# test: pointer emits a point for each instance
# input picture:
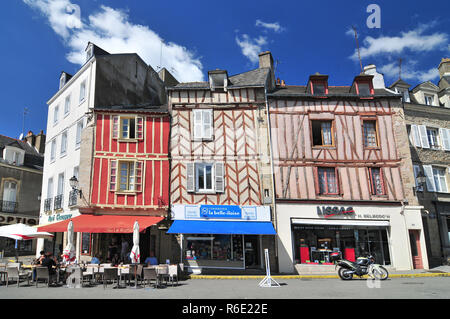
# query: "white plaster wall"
(398, 236)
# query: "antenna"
(160, 56)
(400, 68)
(25, 112)
(357, 46)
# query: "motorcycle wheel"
(343, 275)
(380, 273)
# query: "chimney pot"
(282, 83)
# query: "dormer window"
(319, 88)
(364, 89)
(318, 84)
(428, 99)
(218, 80)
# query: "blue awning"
(221, 227)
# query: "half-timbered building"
(338, 174)
(221, 182)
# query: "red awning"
(102, 224)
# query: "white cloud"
(413, 40)
(408, 72)
(112, 30)
(251, 47)
(275, 26)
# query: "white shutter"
(207, 124)
(428, 171)
(415, 136)
(445, 141)
(219, 176)
(190, 177)
(424, 136)
(198, 117)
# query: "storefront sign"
(328, 211)
(14, 219)
(220, 211)
(373, 216)
(59, 217)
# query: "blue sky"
(41, 38)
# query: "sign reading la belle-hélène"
(221, 212)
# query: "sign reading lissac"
(328, 211)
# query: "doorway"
(252, 258)
(414, 240)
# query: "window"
(85, 243)
(364, 89)
(432, 135)
(50, 188)
(55, 115)
(129, 175)
(78, 136)
(9, 196)
(322, 133)
(428, 99)
(53, 150)
(440, 180)
(405, 96)
(60, 184)
(58, 201)
(327, 181)
(203, 124)
(205, 177)
(370, 133)
(63, 143)
(376, 181)
(204, 174)
(128, 127)
(67, 105)
(82, 91)
(319, 88)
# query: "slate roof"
(32, 157)
(256, 78)
(400, 82)
(135, 108)
(333, 91)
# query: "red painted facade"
(147, 152)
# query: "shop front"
(308, 234)
(222, 236)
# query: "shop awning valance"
(102, 224)
(221, 227)
(341, 222)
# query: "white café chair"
(173, 273)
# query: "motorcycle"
(362, 266)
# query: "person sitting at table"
(95, 259)
(37, 262)
(116, 259)
(49, 262)
(151, 260)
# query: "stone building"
(21, 163)
(427, 116)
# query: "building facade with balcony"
(221, 178)
(21, 165)
(341, 170)
(427, 116)
(103, 80)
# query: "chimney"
(378, 78)
(39, 143)
(30, 138)
(282, 83)
(444, 67)
(266, 61)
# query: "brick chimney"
(39, 142)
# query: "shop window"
(322, 133)
(370, 133)
(85, 243)
(327, 181)
(376, 181)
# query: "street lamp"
(421, 180)
(74, 184)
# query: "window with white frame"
(205, 177)
(82, 91)
(53, 150)
(60, 190)
(203, 124)
(440, 180)
(433, 137)
(64, 143)
(55, 115)
(50, 188)
(67, 105)
(428, 99)
(128, 127)
(126, 176)
(78, 135)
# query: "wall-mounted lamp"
(421, 180)
(74, 184)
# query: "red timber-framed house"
(118, 171)
(221, 180)
(342, 174)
